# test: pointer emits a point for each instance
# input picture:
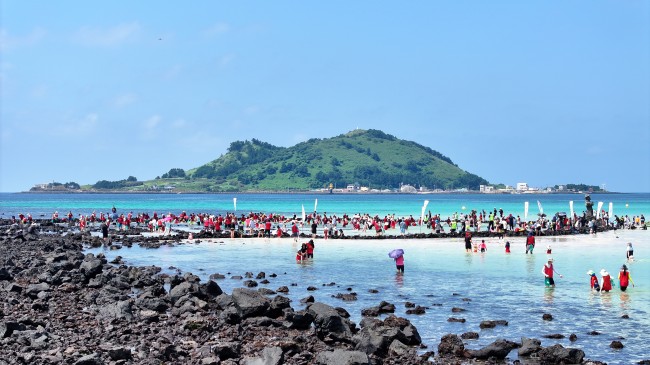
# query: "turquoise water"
(498, 286)
(382, 204)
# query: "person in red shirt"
(606, 283)
(593, 280)
(310, 249)
(548, 271)
(624, 278)
(294, 231)
(530, 243)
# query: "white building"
(522, 186)
(486, 189)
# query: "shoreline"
(310, 192)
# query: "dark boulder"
(529, 346)
(342, 357)
(33, 290)
(451, 344)
(270, 356)
(300, 320)
(249, 303)
(554, 336)
(91, 266)
(227, 350)
(383, 307)
(498, 349)
(118, 310)
(376, 336)
(469, 336)
(329, 323)
(557, 354)
(616, 345)
(5, 274)
(211, 289)
(181, 290)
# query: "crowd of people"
(266, 225)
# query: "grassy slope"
(368, 157)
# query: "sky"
(542, 92)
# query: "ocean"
(43, 204)
(439, 275)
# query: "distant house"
(486, 189)
(352, 187)
(522, 186)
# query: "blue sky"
(543, 92)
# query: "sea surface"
(43, 204)
(439, 274)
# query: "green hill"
(366, 157)
(369, 158)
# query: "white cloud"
(151, 127)
(152, 122)
(594, 150)
(108, 37)
(8, 42)
(78, 127)
(198, 143)
(297, 138)
(39, 91)
(180, 123)
(124, 100)
(172, 72)
(251, 110)
(216, 30)
(227, 59)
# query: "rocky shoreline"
(63, 307)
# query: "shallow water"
(440, 275)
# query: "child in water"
(548, 249)
(606, 283)
(593, 280)
(299, 256)
(475, 247)
(483, 246)
(507, 246)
